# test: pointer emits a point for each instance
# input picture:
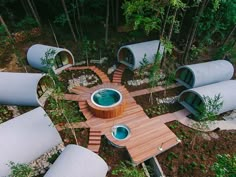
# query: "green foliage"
(158, 109)
(60, 19)
(127, 170)
(53, 158)
(167, 45)
(195, 52)
(144, 14)
(172, 156)
(89, 49)
(48, 61)
(227, 51)
(20, 170)
(218, 19)
(4, 114)
(177, 4)
(211, 107)
(154, 76)
(59, 109)
(225, 166)
(169, 79)
(26, 24)
(143, 65)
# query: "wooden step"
(95, 133)
(94, 137)
(94, 148)
(94, 142)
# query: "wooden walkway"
(148, 138)
(117, 76)
(100, 73)
(148, 90)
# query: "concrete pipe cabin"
(131, 55)
(193, 99)
(197, 75)
(77, 161)
(25, 89)
(62, 58)
(25, 138)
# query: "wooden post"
(54, 35)
(68, 20)
(5, 26)
(117, 14)
(34, 13)
(107, 22)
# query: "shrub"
(127, 170)
(20, 170)
(225, 166)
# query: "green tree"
(57, 105)
(218, 19)
(210, 108)
(144, 14)
(143, 65)
(225, 166)
(154, 75)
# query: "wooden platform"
(149, 137)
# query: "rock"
(42, 171)
(111, 69)
(205, 136)
(214, 135)
(231, 116)
(45, 164)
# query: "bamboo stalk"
(5, 27)
(54, 35)
(107, 22)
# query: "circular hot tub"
(120, 132)
(106, 97)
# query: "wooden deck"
(148, 138)
(155, 89)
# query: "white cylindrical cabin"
(193, 99)
(25, 138)
(25, 89)
(78, 161)
(62, 58)
(131, 55)
(201, 74)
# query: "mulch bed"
(129, 75)
(195, 155)
(65, 76)
(155, 109)
(82, 135)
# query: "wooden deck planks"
(147, 135)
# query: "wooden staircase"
(94, 140)
(118, 74)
